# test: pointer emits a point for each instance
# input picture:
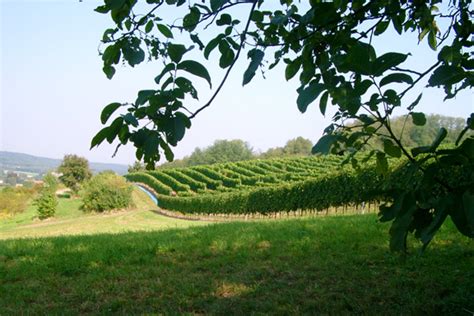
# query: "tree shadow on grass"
(302, 266)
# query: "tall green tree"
(296, 146)
(331, 48)
(75, 170)
(221, 151)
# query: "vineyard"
(278, 185)
(261, 186)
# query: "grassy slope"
(334, 265)
(70, 220)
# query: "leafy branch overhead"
(330, 47)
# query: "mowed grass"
(70, 220)
(328, 265)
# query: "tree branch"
(242, 41)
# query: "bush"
(46, 203)
(14, 200)
(106, 191)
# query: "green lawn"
(328, 265)
(70, 220)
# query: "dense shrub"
(15, 200)
(106, 191)
(46, 203)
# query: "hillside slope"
(29, 163)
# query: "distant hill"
(35, 164)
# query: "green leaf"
(323, 102)
(420, 150)
(256, 57)
(446, 75)
(323, 146)
(195, 68)
(114, 129)
(391, 149)
(423, 34)
(108, 111)
(387, 61)
(402, 223)
(179, 128)
(212, 44)
(388, 213)
(164, 30)
(133, 54)
(100, 137)
(143, 96)
(359, 58)
(169, 67)
(382, 163)
(149, 26)
(196, 40)
(217, 4)
(307, 95)
(115, 4)
(184, 118)
(468, 205)
(227, 55)
(191, 20)
(102, 9)
(418, 118)
(396, 77)
(461, 214)
(166, 148)
(415, 103)
(176, 52)
(109, 71)
(292, 68)
(225, 19)
(130, 119)
(187, 86)
(150, 147)
(442, 133)
(432, 40)
(381, 27)
(467, 148)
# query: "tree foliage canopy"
(75, 170)
(331, 48)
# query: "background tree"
(332, 45)
(297, 146)
(412, 135)
(75, 170)
(136, 167)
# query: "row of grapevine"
(319, 194)
(238, 176)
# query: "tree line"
(412, 135)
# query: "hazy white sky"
(53, 89)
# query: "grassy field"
(327, 265)
(70, 220)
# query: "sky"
(52, 89)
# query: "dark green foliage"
(106, 191)
(75, 170)
(184, 179)
(332, 46)
(174, 184)
(198, 176)
(46, 203)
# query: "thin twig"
(242, 41)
